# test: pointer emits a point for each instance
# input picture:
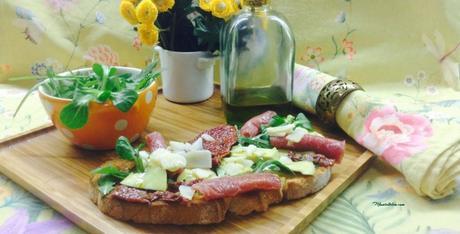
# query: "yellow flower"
(128, 12)
(164, 5)
(236, 4)
(205, 5)
(222, 8)
(148, 34)
(146, 12)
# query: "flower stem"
(163, 41)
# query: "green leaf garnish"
(98, 69)
(125, 99)
(263, 140)
(112, 175)
(276, 121)
(75, 114)
(112, 71)
(124, 149)
(271, 165)
(302, 121)
(259, 142)
(139, 164)
(125, 76)
(110, 170)
(101, 84)
(147, 70)
(139, 147)
(106, 184)
(103, 96)
(144, 83)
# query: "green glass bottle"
(257, 62)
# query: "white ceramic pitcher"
(186, 77)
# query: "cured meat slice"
(155, 141)
(317, 159)
(231, 186)
(252, 127)
(223, 138)
(328, 147)
(128, 194)
(134, 195)
(323, 161)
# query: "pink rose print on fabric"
(395, 135)
(102, 54)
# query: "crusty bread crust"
(205, 212)
(297, 187)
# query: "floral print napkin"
(425, 151)
(398, 51)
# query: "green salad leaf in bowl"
(101, 84)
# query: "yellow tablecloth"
(403, 51)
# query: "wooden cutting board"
(45, 164)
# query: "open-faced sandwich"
(271, 159)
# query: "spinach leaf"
(53, 83)
(109, 85)
(149, 78)
(263, 140)
(43, 83)
(106, 184)
(145, 77)
(75, 114)
(139, 147)
(257, 141)
(271, 165)
(302, 121)
(289, 119)
(110, 170)
(116, 83)
(125, 99)
(101, 84)
(103, 96)
(112, 71)
(147, 70)
(139, 164)
(98, 69)
(124, 149)
(276, 121)
(124, 75)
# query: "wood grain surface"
(45, 164)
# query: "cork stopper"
(254, 3)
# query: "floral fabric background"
(404, 52)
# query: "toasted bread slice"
(205, 212)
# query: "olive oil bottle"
(253, 101)
(257, 62)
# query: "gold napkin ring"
(330, 97)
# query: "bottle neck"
(256, 5)
(263, 8)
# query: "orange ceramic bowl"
(106, 123)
